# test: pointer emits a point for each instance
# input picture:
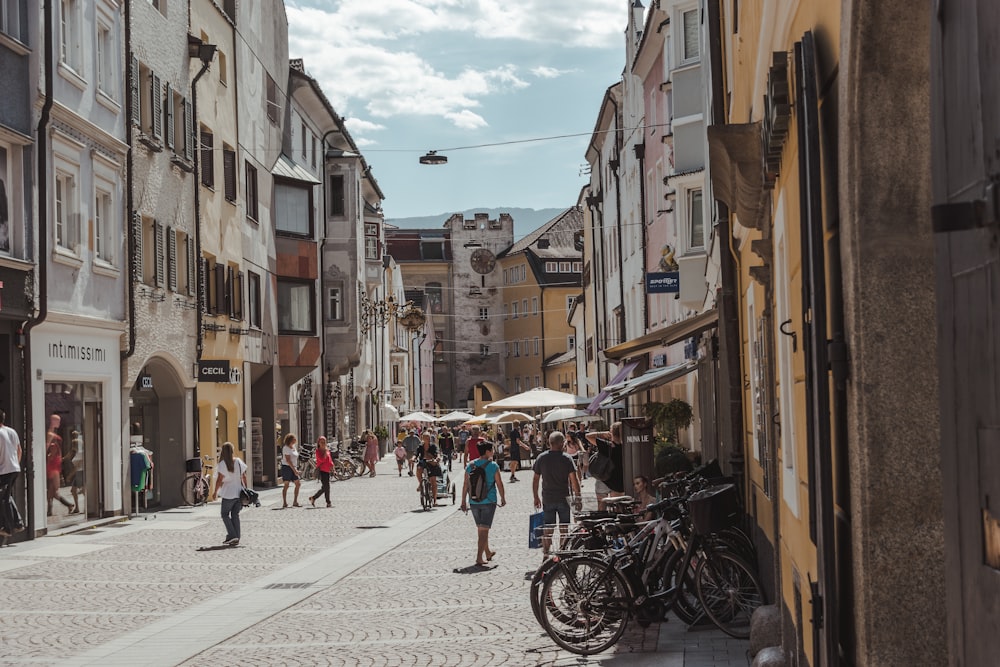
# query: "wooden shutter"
(155, 106)
(136, 232)
(188, 131)
(158, 257)
(229, 173)
(203, 284)
(172, 259)
(207, 159)
(220, 290)
(133, 82)
(238, 297)
(192, 267)
(168, 114)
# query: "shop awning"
(648, 380)
(390, 413)
(622, 373)
(665, 336)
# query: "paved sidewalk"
(370, 582)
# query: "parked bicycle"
(687, 560)
(196, 486)
(307, 462)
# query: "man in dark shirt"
(556, 472)
(609, 443)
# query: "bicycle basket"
(714, 509)
(192, 465)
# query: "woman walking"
(371, 451)
(290, 469)
(324, 463)
(230, 479)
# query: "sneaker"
(233, 542)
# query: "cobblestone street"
(371, 581)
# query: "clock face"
(482, 261)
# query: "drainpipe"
(41, 143)
(322, 271)
(640, 154)
(207, 53)
(129, 180)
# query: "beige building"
(541, 281)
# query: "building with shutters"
(541, 280)
(74, 342)
(227, 203)
(162, 274)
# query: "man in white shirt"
(10, 466)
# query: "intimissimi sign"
(63, 351)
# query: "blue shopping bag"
(535, 523)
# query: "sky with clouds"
(411, 76)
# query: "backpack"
(479, 486)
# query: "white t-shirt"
(9, 443)
(231, 483)
(292, 454)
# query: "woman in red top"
(324, 463)
(53, 462)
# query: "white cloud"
(543, 72)
(357, 125)
(358, 51)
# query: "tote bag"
(535, 523)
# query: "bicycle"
(307, 462)
(426, 494)
(196, 487)
(632, 569)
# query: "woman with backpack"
(481, 487)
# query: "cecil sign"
(663, 283)
(218, 370)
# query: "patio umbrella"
(570, 414)
(417, 417)
(456, 416)
(539, 397)
(479, 419)
(508, 417)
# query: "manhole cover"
(288, 585)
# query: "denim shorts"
(556, 510)
(483, 513)
(288, 474)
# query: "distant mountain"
(526, 220)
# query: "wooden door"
(966, 169)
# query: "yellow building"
(815, 248)
(541, 278)
(220, 220)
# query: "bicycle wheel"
(585, 605)
(308, 471)
(686, 604)
(342, 470)
(426, 498)
(537, 584)
(193, 491)
(729, 591)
